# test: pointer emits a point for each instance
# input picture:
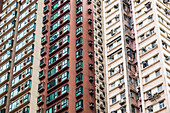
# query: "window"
(65, 75)
(66, 17)
(79, 77)
(52, 83)
(141, 25)
(55, 6)
(79, 30)
(79, 104)
(157, 73)
(139, 12)
(66, 7)
(145, 64)
(79, 41)
(142, 37)
(113, 85)
(131, 94)
(79, 65)
(52, 109)
(155, 58)
(53, 37)
(79, 90)
(64, 89)
(122, 95)
(159, 88)
(79, 19)
(65, 51)
(66, 28)
(53, 59)
(168, 72)
(161, 104)
(79, 9)
(113, 99)
(146, 79)
(54, 16)
(111, 46)
(65, 63)
(79, 53)
(64, 103)
(52, 71)
(53, 47)
(52, 96)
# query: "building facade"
(20, 32)
(99, 48)
(67, 66)
(137, 42)
(152, 29)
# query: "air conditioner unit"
(165, 1)
(168, 35)
(137, 1)
(167, 58)
(122, 101)
(120, 85)
(150, 108)
(91, 91)
(91, 105)
(91, 79)
(89, 11)
(89, 1)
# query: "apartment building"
(121, 63)
(152, 29)
(68, 62)
(20, 32)
(137, 42)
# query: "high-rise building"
(68, 60)
(137, 41)
(152, 34)
(20, 32)
(122, 77)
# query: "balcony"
(7, 31)
(23, 101)
(46, 9)
(42, 74)
(59, 14)
(79, 105)
(59, 34)
(59, 81)
(40, 100)
(44, 29)
(59, 95)
(4, 89)
(61, 107)
(41, 87)
(7, 37)
(58, 5)
(45, 19)
(79, 66)
(43, 51)
(43, 62)
(4, 78)
(23, 65)
(44, 39)
(61, 67)
(20, 90)
(41, 110)
(3, 101)
(46, 1)
(17, 80)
